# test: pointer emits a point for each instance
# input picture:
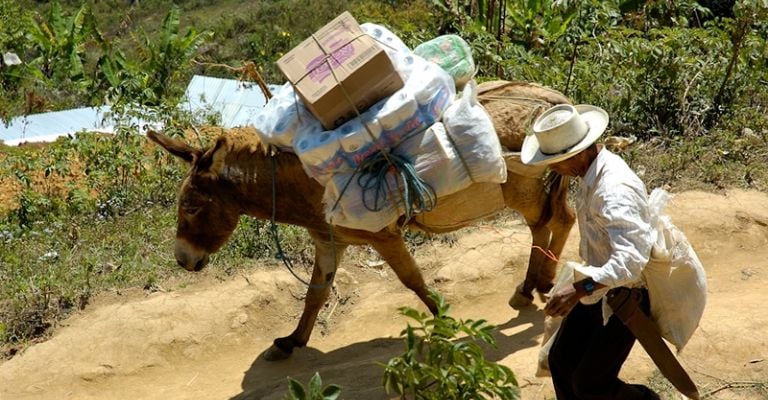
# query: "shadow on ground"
(356, 367)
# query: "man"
(616, 240)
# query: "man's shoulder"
(614, 165)
(617, 175)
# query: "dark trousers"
(586, 356)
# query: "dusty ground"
(204, 341)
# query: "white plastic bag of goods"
(344, 206)
(552, 324)
(282, 117)
(675, 277)
(451, 53)
(435, 163)
(471, 131)
(435, 160)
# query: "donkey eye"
(192, 211)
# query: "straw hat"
(561, 132)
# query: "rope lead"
(415, 195)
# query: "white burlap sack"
(471, 131)
(552, 324)
(676, 281)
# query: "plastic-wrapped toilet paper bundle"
(420, 103)
(282, 116)
(385, 37)
(396, 109)
(358, 134)
(319, 152)
(432, 87)
(404, 63)
(471, 130)
(399, 114)
(451, 53)
(359, 139)
(397, 51)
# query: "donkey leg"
(392, 249)
(540, 240)
(527, 195)
(550, 232)
(560, 225)
(548, 244)
(317, 293)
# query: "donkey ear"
(213, 160)
(175, 146)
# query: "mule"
(240, 175)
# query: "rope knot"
(386, 176)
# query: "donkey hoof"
(520, 299)
(274, 353)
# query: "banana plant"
(165, 57)
(536, 23)
(59, 42)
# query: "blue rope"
(280, 254)
(417, 195)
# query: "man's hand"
(563, 301)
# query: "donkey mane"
(239, 153)
(245, 140)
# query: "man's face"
(572, 166)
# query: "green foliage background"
(91, 213)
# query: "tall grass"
(97, 212)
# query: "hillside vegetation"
(92, 212)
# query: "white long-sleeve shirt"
(614, 224)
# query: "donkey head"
(208, 210)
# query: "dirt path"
(204, 341)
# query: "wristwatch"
(588, 285)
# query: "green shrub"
(436, 365)
(313, 391)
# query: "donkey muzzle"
(188, 258)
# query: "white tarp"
(236, 101)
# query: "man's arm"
(563, 301)
(631, 238)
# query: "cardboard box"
(337, 58)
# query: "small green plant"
(313, 391)
(437, 365)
